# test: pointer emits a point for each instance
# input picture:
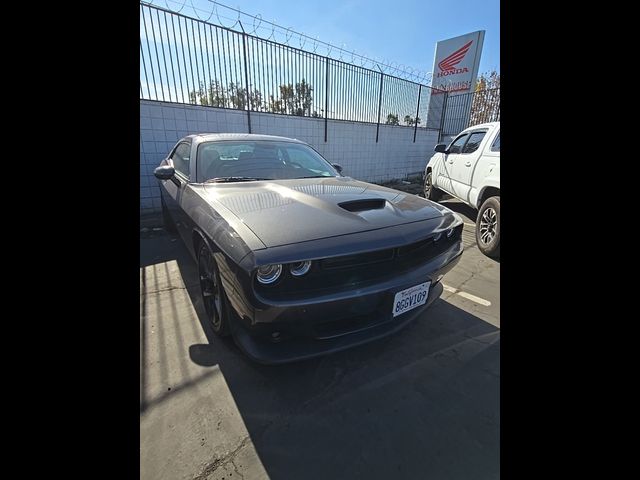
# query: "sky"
(402, 31)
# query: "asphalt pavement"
(423, 403)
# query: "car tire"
(430, 192)
(213, 296)
(488, 227)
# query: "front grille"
(417, 248)
(421, 251)
(351, 271)
(360, 259)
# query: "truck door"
(465, 163)
(445, 169)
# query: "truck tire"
(488, 227)
(431, 192)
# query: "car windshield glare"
(231, 161)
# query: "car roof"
(483, 125)
(212, 137)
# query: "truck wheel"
(488, 227)
(431, 192)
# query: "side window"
(180, 158)
(496, 144)
(456, 146)
(474, 142)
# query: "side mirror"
(337, 167)
(164, 172)
(441, 148)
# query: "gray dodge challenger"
(295, 259)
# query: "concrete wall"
(352, 145)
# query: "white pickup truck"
(469, 169)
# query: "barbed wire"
(270, 30)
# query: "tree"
(237, 96)
(217, 95)
(255, 97)
(296, 100)
(392, 119)
(276, 106)
(487, 81)
(234, 96)
(213, 96)
(287, 98)
(486, 99)
(199, 96)
(304, 98)
(409, 120)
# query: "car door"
(465, 163)
(180, 160)
(443, 177)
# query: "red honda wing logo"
(449, 63)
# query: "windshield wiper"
(234, 179)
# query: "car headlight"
(449, 232)
(298, 269)
(269, 273)
(437, 236)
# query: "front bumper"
(328, 324)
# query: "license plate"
(410, 298)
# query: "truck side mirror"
(441, 148)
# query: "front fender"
(431, 163)
(490, 182)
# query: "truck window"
(474, 142)
(456, 146)
(496, 144)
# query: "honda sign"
(455, 67)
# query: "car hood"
(282, 212)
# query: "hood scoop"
(363, 205)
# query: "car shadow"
(459, 207)
(423, 403)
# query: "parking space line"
(468, 296)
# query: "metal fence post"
(326, 97)
(415, 128)
(246, 76)
(379, 105)
(444, 112)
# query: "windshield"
(259, 160)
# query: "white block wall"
(352, 145)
